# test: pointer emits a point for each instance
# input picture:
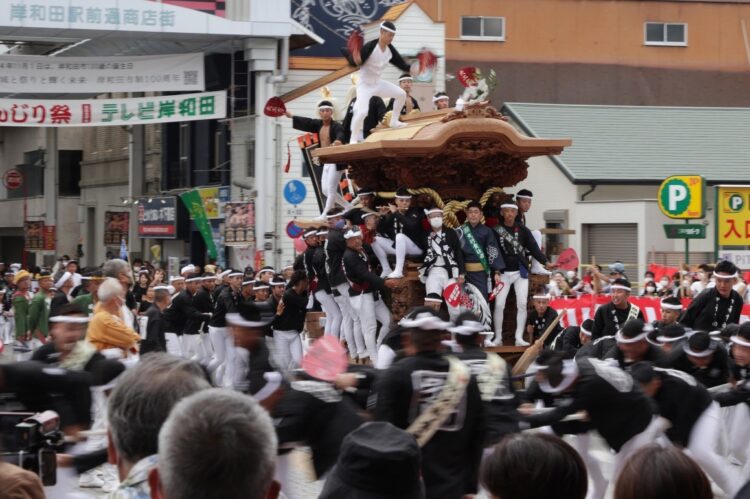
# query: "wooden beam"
(548, 230)
(316, 84)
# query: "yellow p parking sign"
(682, 196)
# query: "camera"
(33, 442)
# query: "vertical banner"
(194, 205)
(33, 235)
(239, 224)
(116, 227)
(50, 237)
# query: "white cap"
(352, 233)
(63, 279)
(187, 269)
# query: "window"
(483, 28)
(669, 34)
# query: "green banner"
(194, 204)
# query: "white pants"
(350, 326)
(365, 92)
(536, 267)
(329, 185)
(582, 443)
(174, 346)
(370, 312)
(646, 437)
(288, 349)
(521, 286)
(333, 313)
(701, 445)
(436, 281)
(382, 247)
(216, 336)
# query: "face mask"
(686, 283)
(340, 224)
(570, 274)
(436, 222)
(136, 268)
(665, 283)
(650, 289)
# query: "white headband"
(433, 210)
(236, 319)
(403, 197)
(351, 234)
(325, 107)
(542, 297)
(569, 372)
(739, 340)
(404, 78)
(161, 288)
(733, 276)
(178, 278)
(224, 274)
(669, 339)
(266, 270)
(187, 268)
(63, 279)
(261, 286)
(369, 214)
(69, 319)
(670, 306)
(467, 328)
(383, 26)
(365, 193)
(309, 233)
(647, 328)
(247, 283)
(322, 232)
(524, 196)
(194, 279)
(273, 382)
(585, 331)
(508, 205)
(702, 354)
(424, 321)
(235, 274)
(441, 97)
(620, 286)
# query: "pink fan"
(467, 75)
(354, 43)
(325, 359)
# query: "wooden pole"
(532, 352)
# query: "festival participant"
(443, 259)
(366, 198)
(222, 365)
(203, 302)
(609, 318)
(365, 292)
(330, 133)
(524, 198)
(540, 319)
(516, 246)
(441, 101)
(668, 337)
(304, 260)
(177, 283)
(185, 306)
(694, 416)
(250, 325)
(715, 307)
(410, 103)
(481, 252)
(154, 340)
(615, 405)
(633, 346)
(62, 287)
(21, 299)
(671, 309)
(107, 329)
(372, 59)
(265, 274)
(435, 398)
(290, 321)
(402, 234)
(493, 378)
(86, 301)
(323, 291)
(702, 357)
(375, 113)
(39, 307)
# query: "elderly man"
(194, 463)
(120, 270)
(107, 328)
(609, 318)
(138, 407)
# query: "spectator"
(138, 407)
(120, 270)
(655, 472)
(370, 453)
(18, 483)
(107, 328)
(216, 444)
(534, 466)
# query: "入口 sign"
(681, 196)
(733, 215)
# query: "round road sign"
(13, 179)
(293, 230)
(682, 197)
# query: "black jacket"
(454, 243)
(597, 348)
(375, 113)
(366, 51)
(654, 354)
(608, 320)
(486, 238)
(741, 391)
(569, 340)
(450, 460)
(681, 400)
(314, 125)
(360, 275)
(542, 323)
(225, 303)
(414, 103)
(154, 341)
(293, 317)
(59, 300)
(319, 269)
(182, 316)
(409, 223)
(334, 248)
(513, 259)
(717, 372)
(702, 313)
(203, 303)
(616, 406)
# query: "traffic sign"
(690, 231)
(293, 230)
(295, 192)
(682, 196)
(13, 179)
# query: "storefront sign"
(33, 236)
(733, 215)
(153, 73)
(116, 227)
(157, 217)
(213, 200)
(239, 224)
(50, 237)
(741, 258)
(111, 112)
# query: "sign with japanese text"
(114, 16)
(153, 73)
(33, 236)
(681, 196)
(116, 227)
(213, 200)
(239, 224)
(50, 237)
(690, 231)
(112, 112)
(157, 217)
(741, 258)
(733, 215)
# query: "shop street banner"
(153, 73)
(194, 205)
(113, 112)
(116, 227)
(239, 224)
(33, 236)
(157, 217)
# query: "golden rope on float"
(489, 192)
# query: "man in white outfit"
(372, 60)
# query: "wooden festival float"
(445, 158)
